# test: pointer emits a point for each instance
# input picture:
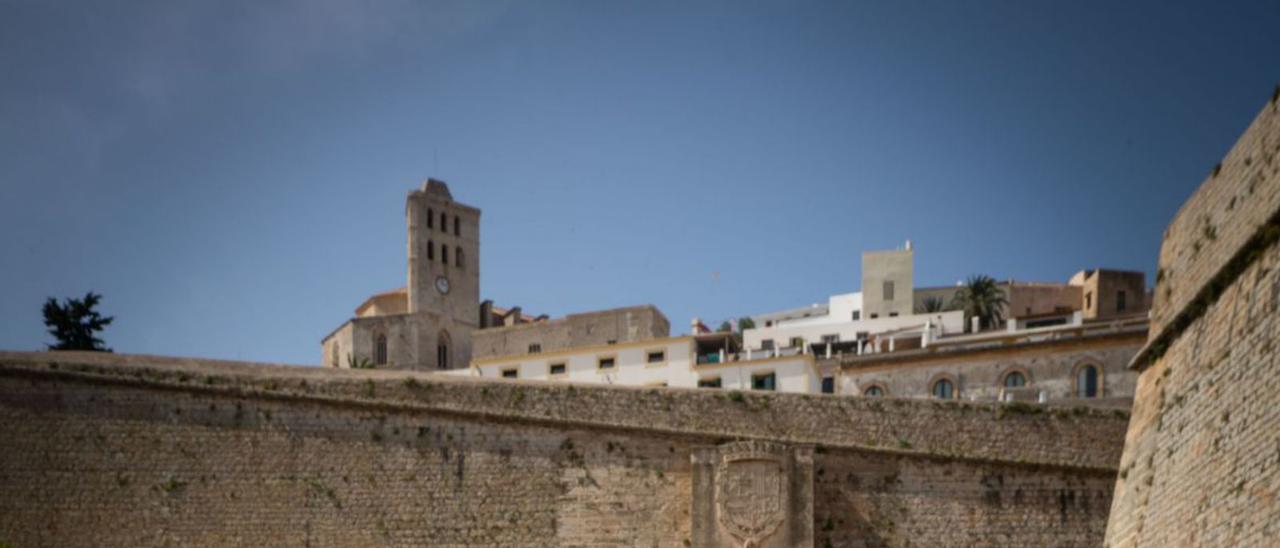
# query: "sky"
(231, 175)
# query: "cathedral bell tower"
(444, 275)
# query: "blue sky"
(231, 175)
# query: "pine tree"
(75, 323)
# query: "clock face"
(442, 284)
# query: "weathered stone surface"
(110, 450)
(1202, 456)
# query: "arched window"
(944, 389)
(444, 223)
(444, 253)
(380, 350)
(456, 231)
(1015, 379)
(442, 350)
(333, 355)
(1087, 382)
(457, 257)
(874, 391)
(431, 251)
(430, 217)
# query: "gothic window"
(457, 256)
(431, 251)
(380, 350)
(442, 350)
(430, 218)
(1015, 379)
(456, 232)
(1087, 382)
(944, 389)
(444, 253)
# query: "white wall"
(951, 323)
(794, 373)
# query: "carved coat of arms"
(751, 490)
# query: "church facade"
(428, 323)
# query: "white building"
(707, 360)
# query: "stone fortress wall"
(117, 450)
(1202, 456)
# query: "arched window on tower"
(430, 218)
(1087, 382)
(431, 251)
(944, 389)
(444, 253)
(456, 230)
(380, 350)
(442, 350)
(457, 258)
(1015, 379)
(444, 223)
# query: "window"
(709, 382)
(831, 339)
(333, 355)
(764, 381)
(797, 342)
(1087, 382)
(431, 251)
(557, 369)
(430, 218)
(1015, 379)
(444, 253)
(656, 356)
(766, 344)
(606, 363)
(857, 315)
(1120, 304)
(457, 256)
(380, 350)
(1088, 300)
(828, 385)
(611, 342)
(510, 373)
(874, 315)
(893, 314)
(535, 348)
(442, 350)
(768, 323)
(873, 391)
(455, 226)
(888, 290)
(943, 389)
(444, 223)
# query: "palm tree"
(930, 304)
(981, 298)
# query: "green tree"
(930, 304)
(75, 322)
(981, 298)
(362, 363)
(745, 324)
(725, 327)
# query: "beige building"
(887, 279)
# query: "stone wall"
(111, 450)
(636, 323)
(1202, 455)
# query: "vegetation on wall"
(75, 323)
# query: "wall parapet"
(1016, 434)
(1222, 228)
